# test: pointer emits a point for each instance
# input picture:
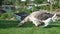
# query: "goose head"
(54, 18)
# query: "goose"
(39, 17)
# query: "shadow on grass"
(50, 26)
(10, 24)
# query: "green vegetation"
(23, 6)
(10, 27)
(6, 15)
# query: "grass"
(10, 27)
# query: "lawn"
(10, 27)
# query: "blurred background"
(19, 9)
(13, 11)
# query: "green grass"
(10, 27)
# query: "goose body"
(38, 17)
